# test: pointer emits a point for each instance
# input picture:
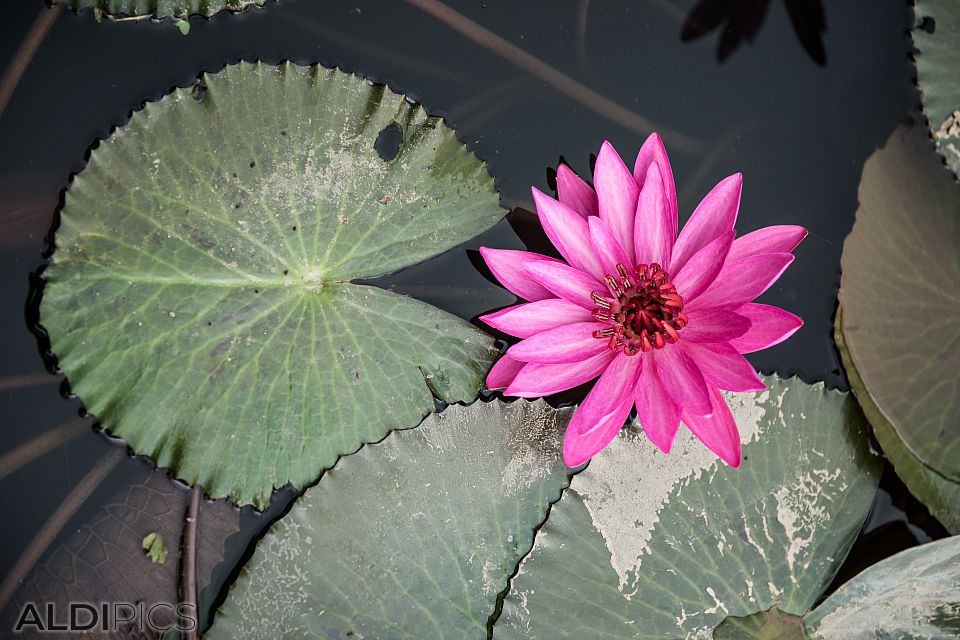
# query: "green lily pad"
(413, 537)
(199, 299)
(647, 545)
(772, 624)
(936, 36)
(900, 292)
(159, 8)
(914, 595)
(940, 495)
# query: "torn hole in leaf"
(388, 142)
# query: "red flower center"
(644, 310)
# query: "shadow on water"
(798, 131)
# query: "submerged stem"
(550, 74)
(57, 521)
(32, 449)
(28, 48)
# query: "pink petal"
(568, 343)
(658, 414)
(743, 280)
(575, 193)
(716, 214)
(580, 447)
(723, 367)
(682, 380)
(503, 372)
(719, 431)
(776, 239)
(565, 281)
(703, 267)
(536, 380)
(713, 325)
(568, 232)
(618, 193)
(607, 249)
(524, 320)
(601, 416)
(653, 152)
(769, 326)
(507, 267)
(654, 227)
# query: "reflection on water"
(799, 132)
(740, 20)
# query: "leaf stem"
(551, 75)
(28, 48)
(32, 449)
(8, 383)
(188, 581)
(57, 521)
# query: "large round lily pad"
(199, 298)
(936, 35)
(645, 545)
(900, 292)
(940, 495)
(411, 538)
(160, 8)
(914, 595)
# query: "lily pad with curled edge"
(647, 545)
(160, 8)
(200, 298)
(411, 538)
(914, 595)
(900, 292)
(940, 495)
(936, 35)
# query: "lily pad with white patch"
(159, 8)
(201, 298)
(647, 545)
(411, 538)
(914, 595)
(936, 35)
(900, 293)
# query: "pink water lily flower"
(662, 319)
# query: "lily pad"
(936, 35)
(900, 292)
(647, 545)
(914, 595)
(200, 297)
(940, 495)
(413, 537)
(105, 562)
(160, 8)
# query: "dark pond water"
(799, 131)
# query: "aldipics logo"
(105, 616)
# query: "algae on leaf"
(160, 8)
(410, 538)
(647, 545)
(936, 34)
(200, 298)
(913, 595)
